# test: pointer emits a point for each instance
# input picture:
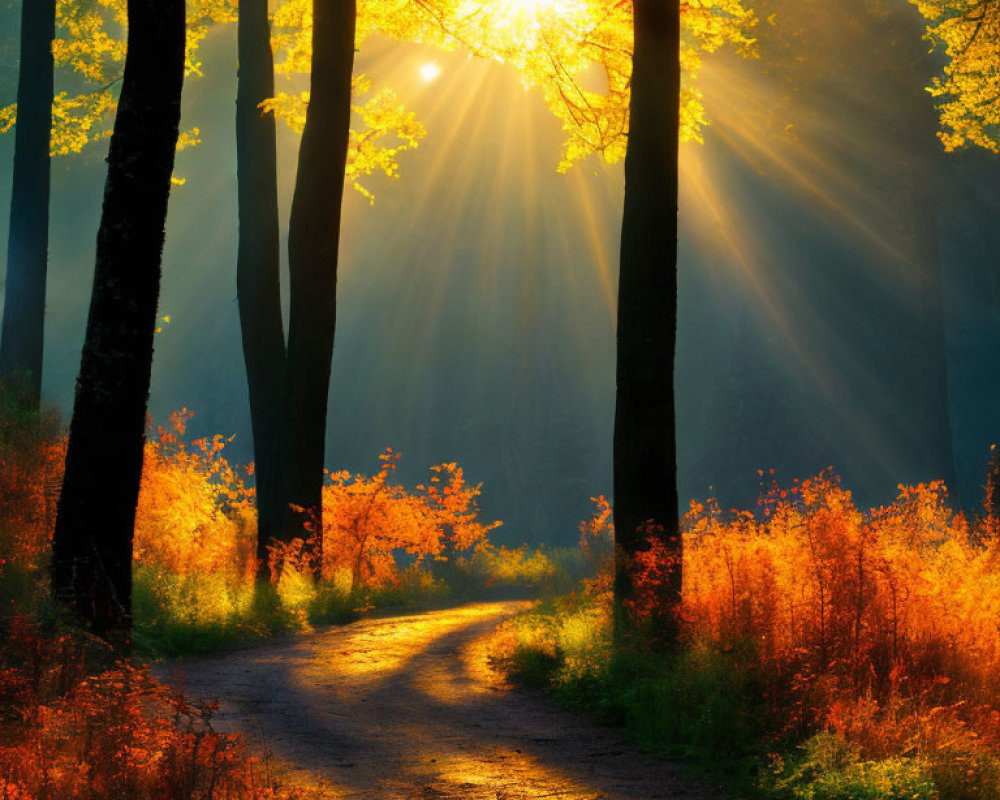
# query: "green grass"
(706, 706)
(194, 615)
(828, 768)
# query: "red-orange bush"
(367, 521)
(880, 627)
(31, 459)
(118, 734)
(882, 622)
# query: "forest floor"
(407, 708)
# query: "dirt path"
(405, 708)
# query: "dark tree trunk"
(645, 460)
(27, 247)
(313, 241)
(92, 547)
(258, 265)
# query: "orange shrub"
(194, 516)
(118, 734)
(31, 463)
(367, 521)
(851, 616)
(880, 627)
(195, 512)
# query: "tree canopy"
(578, 53)
(90, 47)
(968, 32)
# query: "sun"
(429, 72)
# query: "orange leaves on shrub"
(881, 626)
(118, 734)
(366, 521)
(852, 616)
(455, 507)
(195, 512)
(652, 569)
(597, 544)
(31, 466)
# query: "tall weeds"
(806, 617)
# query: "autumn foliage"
(65, 735)
(31, 459)
(367, 521)
(195, 538)
(74, 725)
(878, 627)
(195, 509)
(967, 34)
(870, 636)
(849, 612)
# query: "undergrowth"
(75, 725)
(196, 587)
(827, 654)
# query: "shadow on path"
(400, 708)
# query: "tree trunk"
(313, 241)
(258, 264)
(27, 247)
(92, 546)
(645, 460)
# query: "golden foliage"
(555, 45)
(387, 129)
(195, 514)
(90, 43)
(968, 31)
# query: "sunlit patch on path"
(405, 708)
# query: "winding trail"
(406, 708)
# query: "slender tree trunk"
(92, 546)
(313, 241)
(258, 265)
(645, 459)
(27, 247)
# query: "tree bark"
(92, 546)
(22, 338)
(645, 460)
(313, 242)
(258, 264)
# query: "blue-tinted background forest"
(476, 312)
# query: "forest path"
(406, 708)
